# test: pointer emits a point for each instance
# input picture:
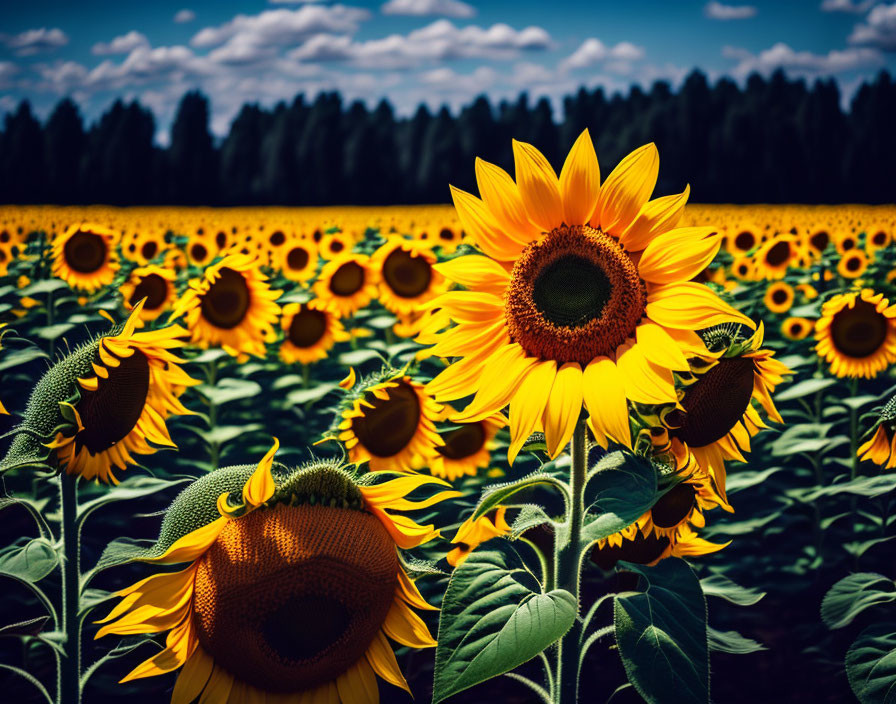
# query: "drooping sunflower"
(154, 286)
(311, 330)
(290, 595)
(298, 259)
(716, 418)
(779, 297)
(852, 264)
(347, 284)
(231, 306)
(856, 334)
(84, 256)
(584, 295)
(406, 275)
(466, 448)
(880, 448)
(797, 328)
(471, 534)
(103, 403)
(388, 420)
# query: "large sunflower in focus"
(406, 275)
(311, 330)
(231, 306)
(856, 334)
(154, 286)
(290, 595)
(347, 284)
(584, 295)
(84, 256)
(104, 402)
(389, 421)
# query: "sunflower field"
(566, 441)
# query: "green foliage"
(871, 664)
(852, 595)
(621, 487)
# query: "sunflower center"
(226, 302)
(715, 403)
(779, 296)
(277, 238)
(85, 252)
(853, 264)
(879, 238)
(336, 246)
(291, 597)
(745, 240)
(674, 506)
(198, 252)
(859, 331)
(153, 288)
(408, 275)
(308, 327)
(347, 280)
(388, 427)
(642, 551)
(112, 411)
(149, 249)
(573, 296)
(778, 254)
(297, 258)
(462, 442)
(820, 240)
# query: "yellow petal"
(218, 688)
(659, 347)
(476, 272)
(645, 382)
(409, 592)
(260, 486)
(500, 379)
(193, 678)
(655, 217)
(404, 626)
(538, 186)
(190, 546)
(528, 404)
(679, 255)
(480, 225)
(580, 181)
(627, 188)
(349, 380)
(604, 395)
(690, 306)
(564, 407)
(502, 197)
(358, 684)
(382, 659)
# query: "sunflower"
(779, 297)
(465, 448)
(298, 259)
(583, 295)
(103, 403)
(852, 264)
(743, 239)
(716, 418)
(856, 334)
(877, 237)
(311, 330)
(471, 534)
(147, 246)
(743, 268)
(406, 275)
(200, 250)
(347, 284)
(289, 596)
(154, 286)
(388, 421)
(335, 245)
(84, 256)
(231, 306)
(880, 448)
(775, 256)
(797, 328)
(817, 240)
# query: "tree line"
(772, 140)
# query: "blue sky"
(413, 51)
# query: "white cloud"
(35, 41)
(857, 8)
(124, 44)
(446, 80)
(7, 70)
(446, 8)
(719, 11)
(878, 29)
(184, 16)
(802, 62)
(594, 51)
(283, 27)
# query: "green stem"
(568, 562)
(68, 689)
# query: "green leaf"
(53, 332)
(853, 594)
(662, 635)
(210, 355)
(31, 678)
(494, 618)
(732, 642)
(862, 486)
(804, 388)
(300, 397)
(131, 488)
(744, 480)
(358, 357)
(871, 665)
(495, 495)
(622, 487)
(857, 548)
(529, 516)
(31, 627)
(227, 390)
(30, 562)
(46, 286)
(719, 585)
(223, 434)
(19, 357)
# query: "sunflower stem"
(68, 689)
(854, 454)
(568, 563)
